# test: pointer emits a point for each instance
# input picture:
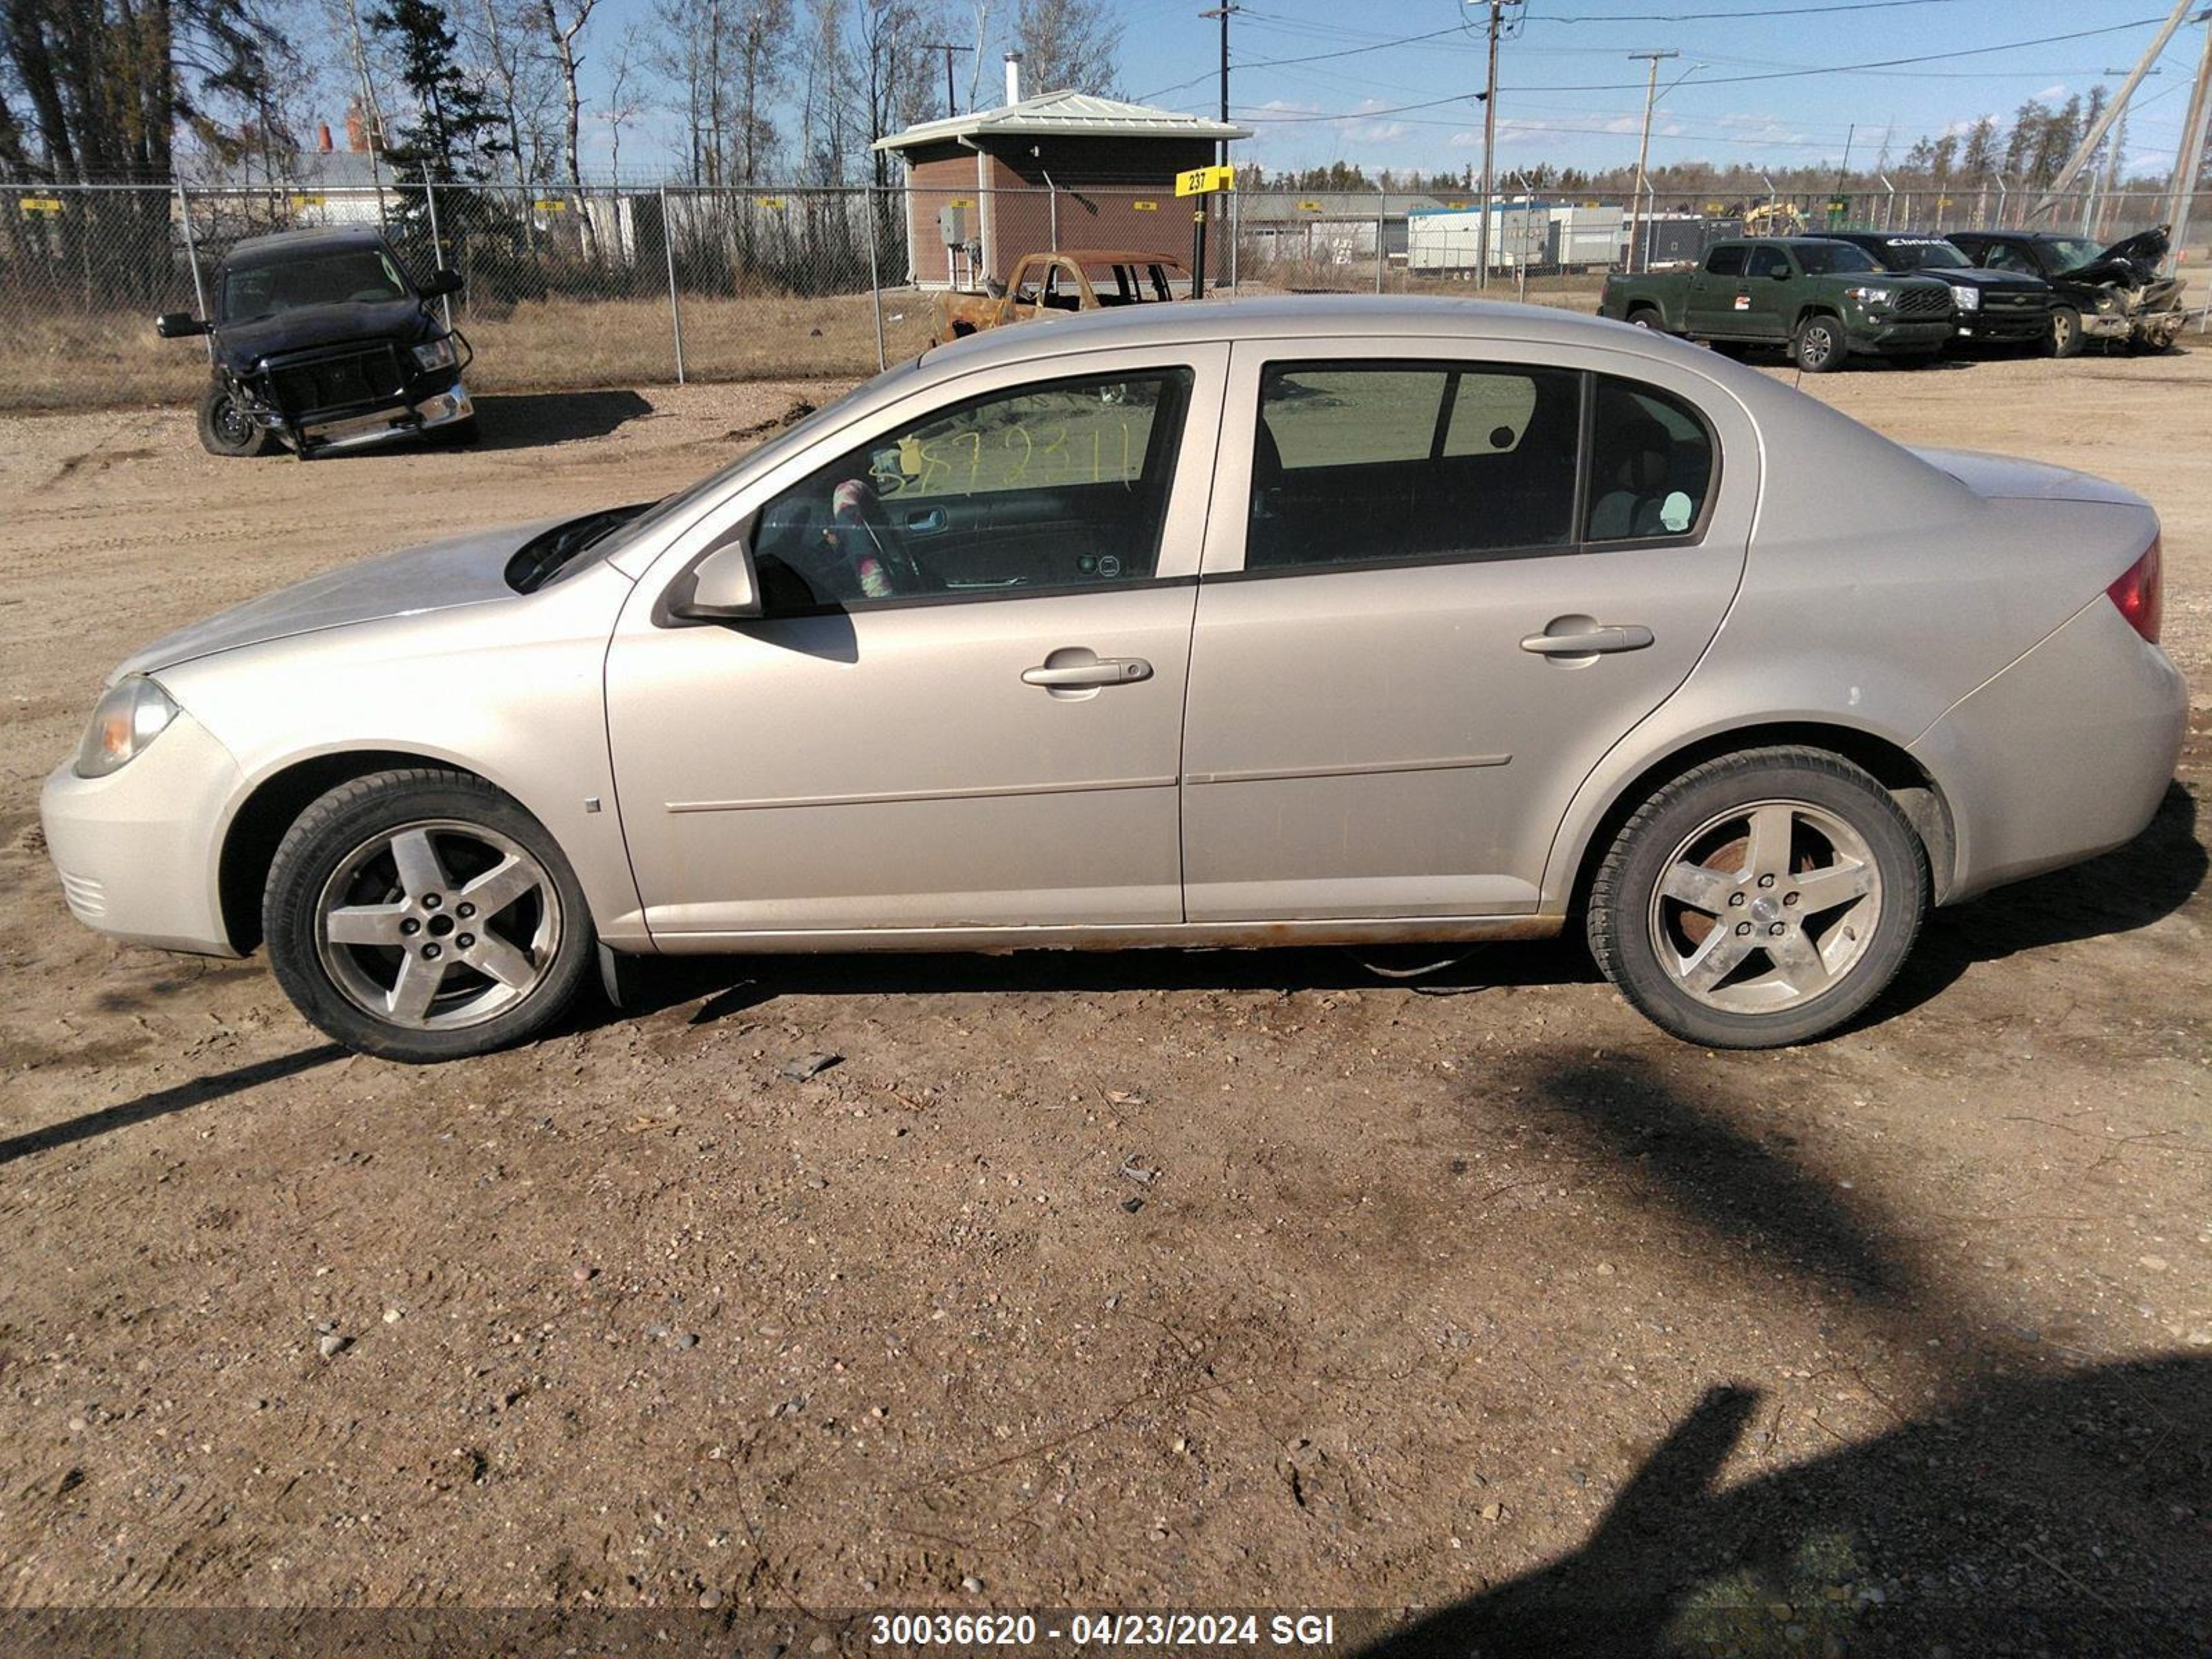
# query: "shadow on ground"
(2036, 1509)
(2050, 1515)
(2149, 878)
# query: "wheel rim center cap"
(1765, 909)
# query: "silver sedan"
(1259, 624)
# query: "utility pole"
(1489, 144)
(2190, 162)
(1644, 146)
(945, 46)
(2113, 111)
(1220, 149)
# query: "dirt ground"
(1159, 1280)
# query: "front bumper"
(138, 851)
(1884, 338)
(2064, 756)
(2009, 328)
(444, 408)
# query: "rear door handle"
(1590, 641)
(1106, 670)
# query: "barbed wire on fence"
(612, 285)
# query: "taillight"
(2139, 593)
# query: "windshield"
(612, 539)
(1826, 258)
(1922, 253)
(2068, 252)
(358, 276)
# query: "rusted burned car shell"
(1055, 284)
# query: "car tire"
(1839, 888)
(2065, 331)
(1645, 317)
(1819, 346)
(225, 429)
(423, 915)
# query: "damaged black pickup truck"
(2112, 294)
(321, 343)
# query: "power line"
(1736, 80)
(1744, 16)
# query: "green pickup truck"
(1823, 299)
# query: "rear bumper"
(137, 851)
(2064, 756)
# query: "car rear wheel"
(423, 915)
(1645, 317)
(1759, 900)
(2065, 331)
(1819, 347)
(225, 427)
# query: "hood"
(467, 570)
(2004, 477)
(243, 344)
(2132, 260)
(1978, 276)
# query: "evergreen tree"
(453, 137)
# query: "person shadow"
(2058, 1514)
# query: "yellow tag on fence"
(1144, 207)
(307, 201)
(40, 204)
(551, 206)
(768, 201)
(1309, 206)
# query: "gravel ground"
(1209, 1279)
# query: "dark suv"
(2005, 307)
(2112, 294)
(322, 343)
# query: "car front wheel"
(225, 427)
(423, 915)
(1759, 900)
(2065, 331)
(1819, 347)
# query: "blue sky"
(1564, 46)
(1767, 87)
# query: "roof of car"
(1117, 256)
(1315, 316)
(256, 250)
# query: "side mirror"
(1780, 273)
(443, 280)
(722, 586)
(178, 325)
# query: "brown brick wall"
(1099, 183)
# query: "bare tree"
(626, 99)
(1074, 44)
(563, 37)
(498, 37)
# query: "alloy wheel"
(1764, 907)
(437, 925)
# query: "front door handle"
(1589, 641)
(1102, 671)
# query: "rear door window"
(1651, 463)
(1767, 261)
(1380, 462)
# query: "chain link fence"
(635, 285)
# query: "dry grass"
(116, 360)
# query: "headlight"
(1871, 296)
(132, 714)
(438, 354)
(1966, 299)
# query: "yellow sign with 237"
(1203, 181)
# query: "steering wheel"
(865, 513)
